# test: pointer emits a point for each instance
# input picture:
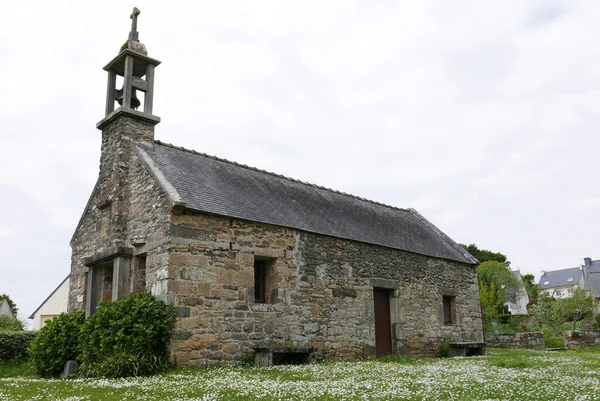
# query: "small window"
(570, 291)
(557, 292)
(260, 281)
(448, 302)
(138, 276)
(546, 282)
(570, 280)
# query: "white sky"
(482, 115)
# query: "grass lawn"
(502, 375)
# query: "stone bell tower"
(106, 241)
(137, 69)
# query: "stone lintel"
(110, 253)
(148, 118)
(466, 344)
(449, 292)
(384, 283)
(264, 252)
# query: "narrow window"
(260, 281)
(448, 306)
(138, 278)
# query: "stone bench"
(269, 356)
(466, 349)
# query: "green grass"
(15, 369)
(502, 375)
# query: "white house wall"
(54, 305)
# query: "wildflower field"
(502, 375)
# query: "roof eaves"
(158, 176)
(49, 296)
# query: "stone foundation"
(530, 340)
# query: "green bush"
(14, 344)
(56, 343)
(8, 323)
(127, 337)
(554, 341)
(445, 350)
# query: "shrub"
(14, 344)
(445, 350)
(56, 343)
(127, 337)
(554, 341)
(8, 323)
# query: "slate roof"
(5, 308)
(209, 184)
(559, 278)
(592, 271)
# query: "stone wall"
(320, 292)
(530, 340)
(319, 289)
(581, 338)
(126, 209)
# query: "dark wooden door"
(383, 329)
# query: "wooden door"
(383, 327)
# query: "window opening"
(260, 281)
(448, 306)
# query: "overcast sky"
(482, 115)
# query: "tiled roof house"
(562, 283)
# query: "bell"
(135, 102)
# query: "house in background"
(5, 309)
(562, 283)
(54, 305)
(517, 303)
(591, 270)
(250, 258)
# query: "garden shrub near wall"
(56, 343)
(14, 344)
(127, 337)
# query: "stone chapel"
(250, 258)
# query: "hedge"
(14, 345)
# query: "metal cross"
(133, 35)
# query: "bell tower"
(137, 69)
(123, 129)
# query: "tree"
(580, 306)
(12, 305)
(550, 312)
(483, 255)
(554, 312)
(490, 299)
(9, 323)
(496, 284)
(533, 291)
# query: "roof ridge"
(410, 210)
